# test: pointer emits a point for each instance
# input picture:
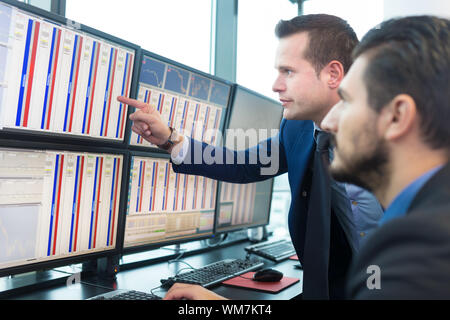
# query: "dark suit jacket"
(412, 252)
(295, 142)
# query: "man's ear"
(334, 73)
(399, 117)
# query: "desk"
(148, 277)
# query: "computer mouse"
(267, 275)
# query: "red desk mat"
(272, 287)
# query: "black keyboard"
(126, 295)
(214, 273)
(273, 250)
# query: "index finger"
(134, 103)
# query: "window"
(257, 42)
(256, 47)
(361, 15)
(43, 4)
(177, 29)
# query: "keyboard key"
(126, 295)
(214, 273)
(273, 250)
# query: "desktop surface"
(146, 278)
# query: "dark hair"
(412, 56)
(330, 38)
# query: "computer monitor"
(192, 102)
(165, 207)
(253, 118)
(58, 206)
(59, 78)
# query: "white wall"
(397, 8)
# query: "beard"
(368, 170)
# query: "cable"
(171, 249)
(190, 267)
(182, 261)
(177, 258)
(151, 290)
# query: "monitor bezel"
(241, 227)
(54, 137)
(221, 230)
(157, 245)
(237, 87)
(79, 258)
(149, 54)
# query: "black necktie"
(317, 237)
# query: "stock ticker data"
(56, 79)
(191, 103)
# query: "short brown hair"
(330, 38)
(411, 55)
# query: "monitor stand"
(178, 252)
(255, 234)
(104, 268)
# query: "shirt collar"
(400, 205)
(316, 128)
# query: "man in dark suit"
(393, 138)
(312, 57)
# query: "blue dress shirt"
(399, 206)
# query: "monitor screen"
(166, 207)
(190, 101)
(253, 118)
(60, 80)
(56, 205)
